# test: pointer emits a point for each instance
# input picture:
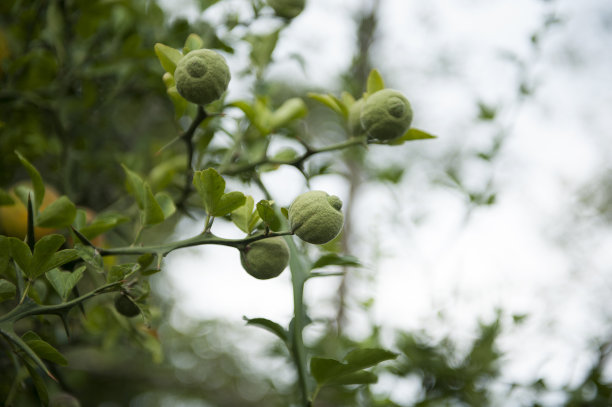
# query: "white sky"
(506, 255)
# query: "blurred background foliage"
(81, 92)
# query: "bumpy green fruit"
(287, 8)
(266, 258)
(125, 306)
(386, 115)
(354, 118)
(315, 217)
(202, 76)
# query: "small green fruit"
(316, 217)
(202, 76)
(386, 115)
(287, 8)
(354, 118)
(266, 258)
(125, 306)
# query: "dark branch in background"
(355, 81)
(187, 137)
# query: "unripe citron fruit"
(287, 8)
(125, 306)
(316, 217)
(386, 115)
(202, 76)
(266, 258)
(14, 218)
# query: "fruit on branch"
(126, 306)
(202, 76)
(386, 115)
(316, 217)
(287, 8)
(14, 218)
(266, 258)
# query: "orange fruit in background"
(14, 218)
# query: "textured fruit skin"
(316, 217)
(126, 306)
(386, 115)
(202, 76)
(14, 218)
(266, 258)
(287, 8)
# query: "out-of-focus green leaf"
(64, 281)
(43, 349)
(168, 57)
(7, 290)
(411, 135)
(333, 259)
(268, 215)
(59, 214)
(375, 82)
(193, 42)
(37, 182)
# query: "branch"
(187, 137)
(199, 240)
(296, 162)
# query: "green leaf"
(5, 198)
(329, 101)
(7, 290)
(375, 82)
(333, 259)
(411, 135)
(43, 349)
(210, 186)
(168, 57)
(228, 202)
(270, 326)
(39, 384)
(289, 111)
(62, 257)
(20, 252)
(91, 257)
(64, 281)
(58, 214)
(244, 217)
(368, 357)
(179, 102)
(135, 186)
(153, 213)
(193, 42)
(37, 182)
(166, 204)
(103, 223)
(5, 253)
(44, 250)
(330, 371)
(360, 377)
(121, 271)
(268, 215)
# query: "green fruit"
(354, 118)
(266, 258)
(315, 217)
(125, 306)
(287, 8)
(202, 76)
(386, 115)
